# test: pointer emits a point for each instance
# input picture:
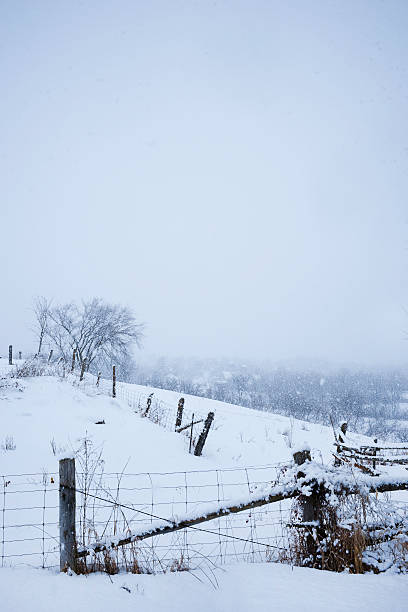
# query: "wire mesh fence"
(29, 519)
(115, 504)
(124, 503)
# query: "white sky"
(236, 171)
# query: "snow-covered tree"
(101, 333)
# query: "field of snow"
(56, 410)
(235, 589)
(239, 458)
(61, 414)
(46, 418)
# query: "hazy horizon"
(234, 172)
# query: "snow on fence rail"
(374, 455)
(154, 522)
(312, 484)
(115, 503)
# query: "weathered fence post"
(68, 547)
(300, 457)
(191, 434)
(19, 355)
(311, 506)
(50, 355)
(98, 379)
(180, 409)
(73, 361)
(83, 366)
(203, 435)
(11, 354)
(113, 381)
(148, 405)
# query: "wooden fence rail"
(305, 480)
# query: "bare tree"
(101, 333)
(41, 310)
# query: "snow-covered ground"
(47, 418)
(54, 410)
(235, 589)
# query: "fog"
(235, 172)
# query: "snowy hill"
(44, 418)
(61, 414)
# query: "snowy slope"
(48, 417)
(58, 411)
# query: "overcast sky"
(236, 172)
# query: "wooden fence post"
(148, 405)
(68, 546)
(180, 409)
(11, 354)
(300, 457)
(113, 381)
(203, 435)
(98, 379)
(19, 355)
(73, 361)
(311, 506)
(50, 355)
(191, 434)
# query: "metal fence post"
(67, 504)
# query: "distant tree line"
(369, 400)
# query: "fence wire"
(255, 535)
(30, 529)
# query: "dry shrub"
(179, 565)
(101, 562)
(8, 444)
(400, 550)
(385, 553)
(30, 368)
(38, 367)
(131, 558)
(337, 543)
